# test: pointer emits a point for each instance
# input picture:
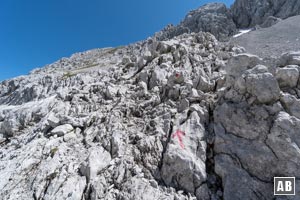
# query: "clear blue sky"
(34, 33)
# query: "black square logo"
(284, 185)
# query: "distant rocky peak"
(224, 22)
(212, 17)
(249, 13)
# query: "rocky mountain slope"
(182, 118)
(273, 41)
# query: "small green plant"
(88, 66)
(120, 47)
(68, 75)
(53, 152)
(113, 50)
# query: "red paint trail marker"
(179, 134)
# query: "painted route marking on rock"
(179, 134)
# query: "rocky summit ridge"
(178, 116)
(224, 22)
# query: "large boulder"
(289, 58)
(263, 86)
(62, 130)
(237, 64)
(184, 160)
(288, 76)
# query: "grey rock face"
(222, 22)
(255, 123)
(290, 58)
(263, 86)
(288, 76)
(213, 17)
(270, 21)
(184, 163)
(186, 118)
(248, 13)
(124, 123)
(238, 64)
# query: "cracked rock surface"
(215, 18)
(186, 117)
(248, 13)
(124, 123)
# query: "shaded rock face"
(248, 13)
(213, 17)
(255, 132)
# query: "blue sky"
(34, 33)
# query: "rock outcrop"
(215, 18)
(255, 130)
(223, 22)
(248, 13)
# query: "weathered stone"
(290, 58)
(213, 17)
(242, 121)
(292, 104)
(270, 21)
(62, 130)
(248, 13)
(263, 86)
(180, 157)
(183, 105)
(288, 76)
(53, 121)
(240, 63)
(97, 160)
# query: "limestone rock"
(292, 104)
(288, 76)
(263, 86)
(53, 121)
(248, 13)
(240, 63)
(290, 58)
(213, 17)
(270, 21)
(62, 130)
(184, 118)
(184, 160)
